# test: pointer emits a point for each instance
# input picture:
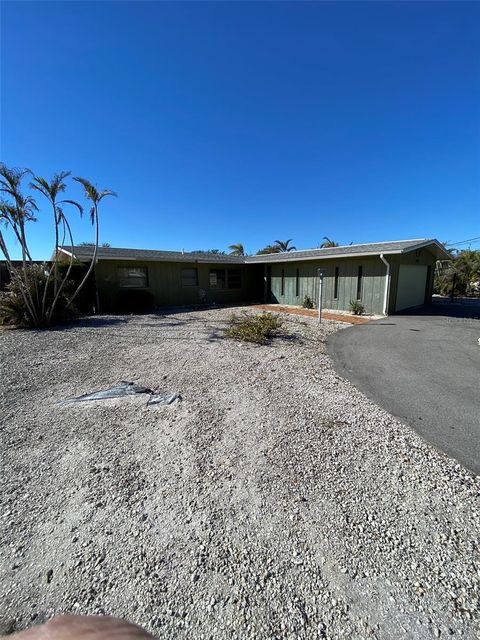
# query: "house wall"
(373, 282)
(165, 283)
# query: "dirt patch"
(313, 313)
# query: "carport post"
(320, 292)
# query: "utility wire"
(454, 244)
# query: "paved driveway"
(424, 368)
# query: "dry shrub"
(254, 328)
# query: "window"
(217, 278)
(283, 283)
(297, 283)
(234, 278)
(189, 277)
(359, 283)
(132, 277)
(335, 284)
(225, 278)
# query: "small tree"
(279, 246)
(328, 243)
(459, 276)
(237, 249)
(41, 290)
(284, 246)
(270, 248)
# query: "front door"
(268, 292)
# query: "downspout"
(387, 285)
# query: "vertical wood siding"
(373, 282)
(165, 283)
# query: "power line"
(454, 244)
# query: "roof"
(85, 252)
(357, 250)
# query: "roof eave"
(330, 256)
(440, 251)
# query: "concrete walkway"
(424, 368)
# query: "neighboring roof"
(83, 252)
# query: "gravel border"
(273, 501)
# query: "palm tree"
(105, 245)
(270, 248)
(237, 249)
(23, 209)
(283, 247)
(95, 197)
(51, 191)
(327, 243)
(16, 215)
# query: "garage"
(412, 283)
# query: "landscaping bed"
(273, 500)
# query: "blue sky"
(249, 122)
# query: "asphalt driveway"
(424, 368)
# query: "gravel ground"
(273, 501)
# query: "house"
(386, 277)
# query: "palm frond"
(106, 192)
(40, 184)
(75, 204)
(10, 178)
(50, 189)
(90, 190)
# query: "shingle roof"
(83, 252)
(351, 250)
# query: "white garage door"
(412, 281)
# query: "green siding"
(373, 282)
(165, 283)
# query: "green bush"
(13, 310)
(357, 308)
(462, 273)
(254, 328)
(307, 302)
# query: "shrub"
(307, 302)
(254, 328)
(357, 308)
(13, 310)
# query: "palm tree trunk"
(92, 264)
(65, 279)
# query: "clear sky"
(250, 122)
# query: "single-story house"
(386, 277)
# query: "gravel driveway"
(273, 501)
